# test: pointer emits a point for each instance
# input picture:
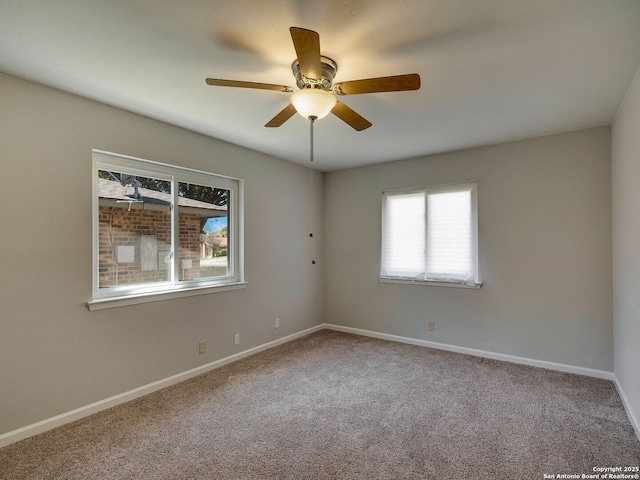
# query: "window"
(161, 229)
(430, 235)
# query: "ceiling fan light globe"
(313, 102)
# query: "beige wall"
(544, 249)
(56, 355)
(545, 255)
(626, 246)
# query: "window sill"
(113, 302)
(431, 283)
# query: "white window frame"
(173, 288)
(423, 278)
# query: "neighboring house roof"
(109, 189)
(219, 242)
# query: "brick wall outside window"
(119, 226)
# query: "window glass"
(430, 234)
(449, 241)
(158, 228)
(404, 227)
(204, 242)
(134, 229)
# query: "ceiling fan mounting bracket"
(328, 68)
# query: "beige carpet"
(339, 406)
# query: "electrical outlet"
(431, 326)
(277, 323)
(202, 347)
(236, 339)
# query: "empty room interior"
(175, 227)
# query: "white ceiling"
(492, 70)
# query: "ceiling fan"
(314, 75)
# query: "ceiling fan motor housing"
(328, 68)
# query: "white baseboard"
(508, 358)
(627, 406)
(67, 417)
(478, 353)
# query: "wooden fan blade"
(397, 83)
(307, 45)
(216, 82)
(282, 117)
(350, 117)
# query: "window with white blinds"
(431, 235)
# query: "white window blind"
(403, 231)
(430, 234)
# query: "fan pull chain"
(312, 119)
